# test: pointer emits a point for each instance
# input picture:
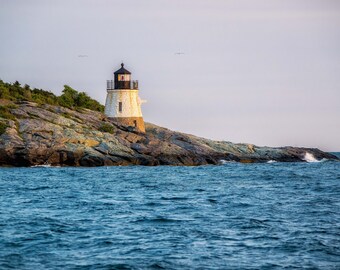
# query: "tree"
(68, 98)
(27, 92)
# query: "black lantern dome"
(122, 78)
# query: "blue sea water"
(233, 216)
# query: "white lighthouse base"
(123, 106)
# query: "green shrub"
(6, 113)
(3, 127)
(73, 99)
(11, 106)
(4, 92)
(44, 97)
(66, 115)
(106, 128)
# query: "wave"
(222, 161)
(271, 161)
(44, 166)
(309, 157)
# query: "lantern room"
(122, 78)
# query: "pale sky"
(258, 71)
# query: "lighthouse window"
(123, 78)
(120, 105)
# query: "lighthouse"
(123, 104)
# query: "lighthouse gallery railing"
(110, 85)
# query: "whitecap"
(44, 166)
(222, 161)
(271, 161)
(309, 157)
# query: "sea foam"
(310, 158)
(271, 161)
(222, 161)
(44, 166)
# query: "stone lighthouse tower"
(123, 104)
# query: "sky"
(265, 72)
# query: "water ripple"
(235, 216)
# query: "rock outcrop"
(44, 134)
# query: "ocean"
(232, 216)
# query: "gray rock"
(45, 134)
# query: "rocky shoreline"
(54, 135)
